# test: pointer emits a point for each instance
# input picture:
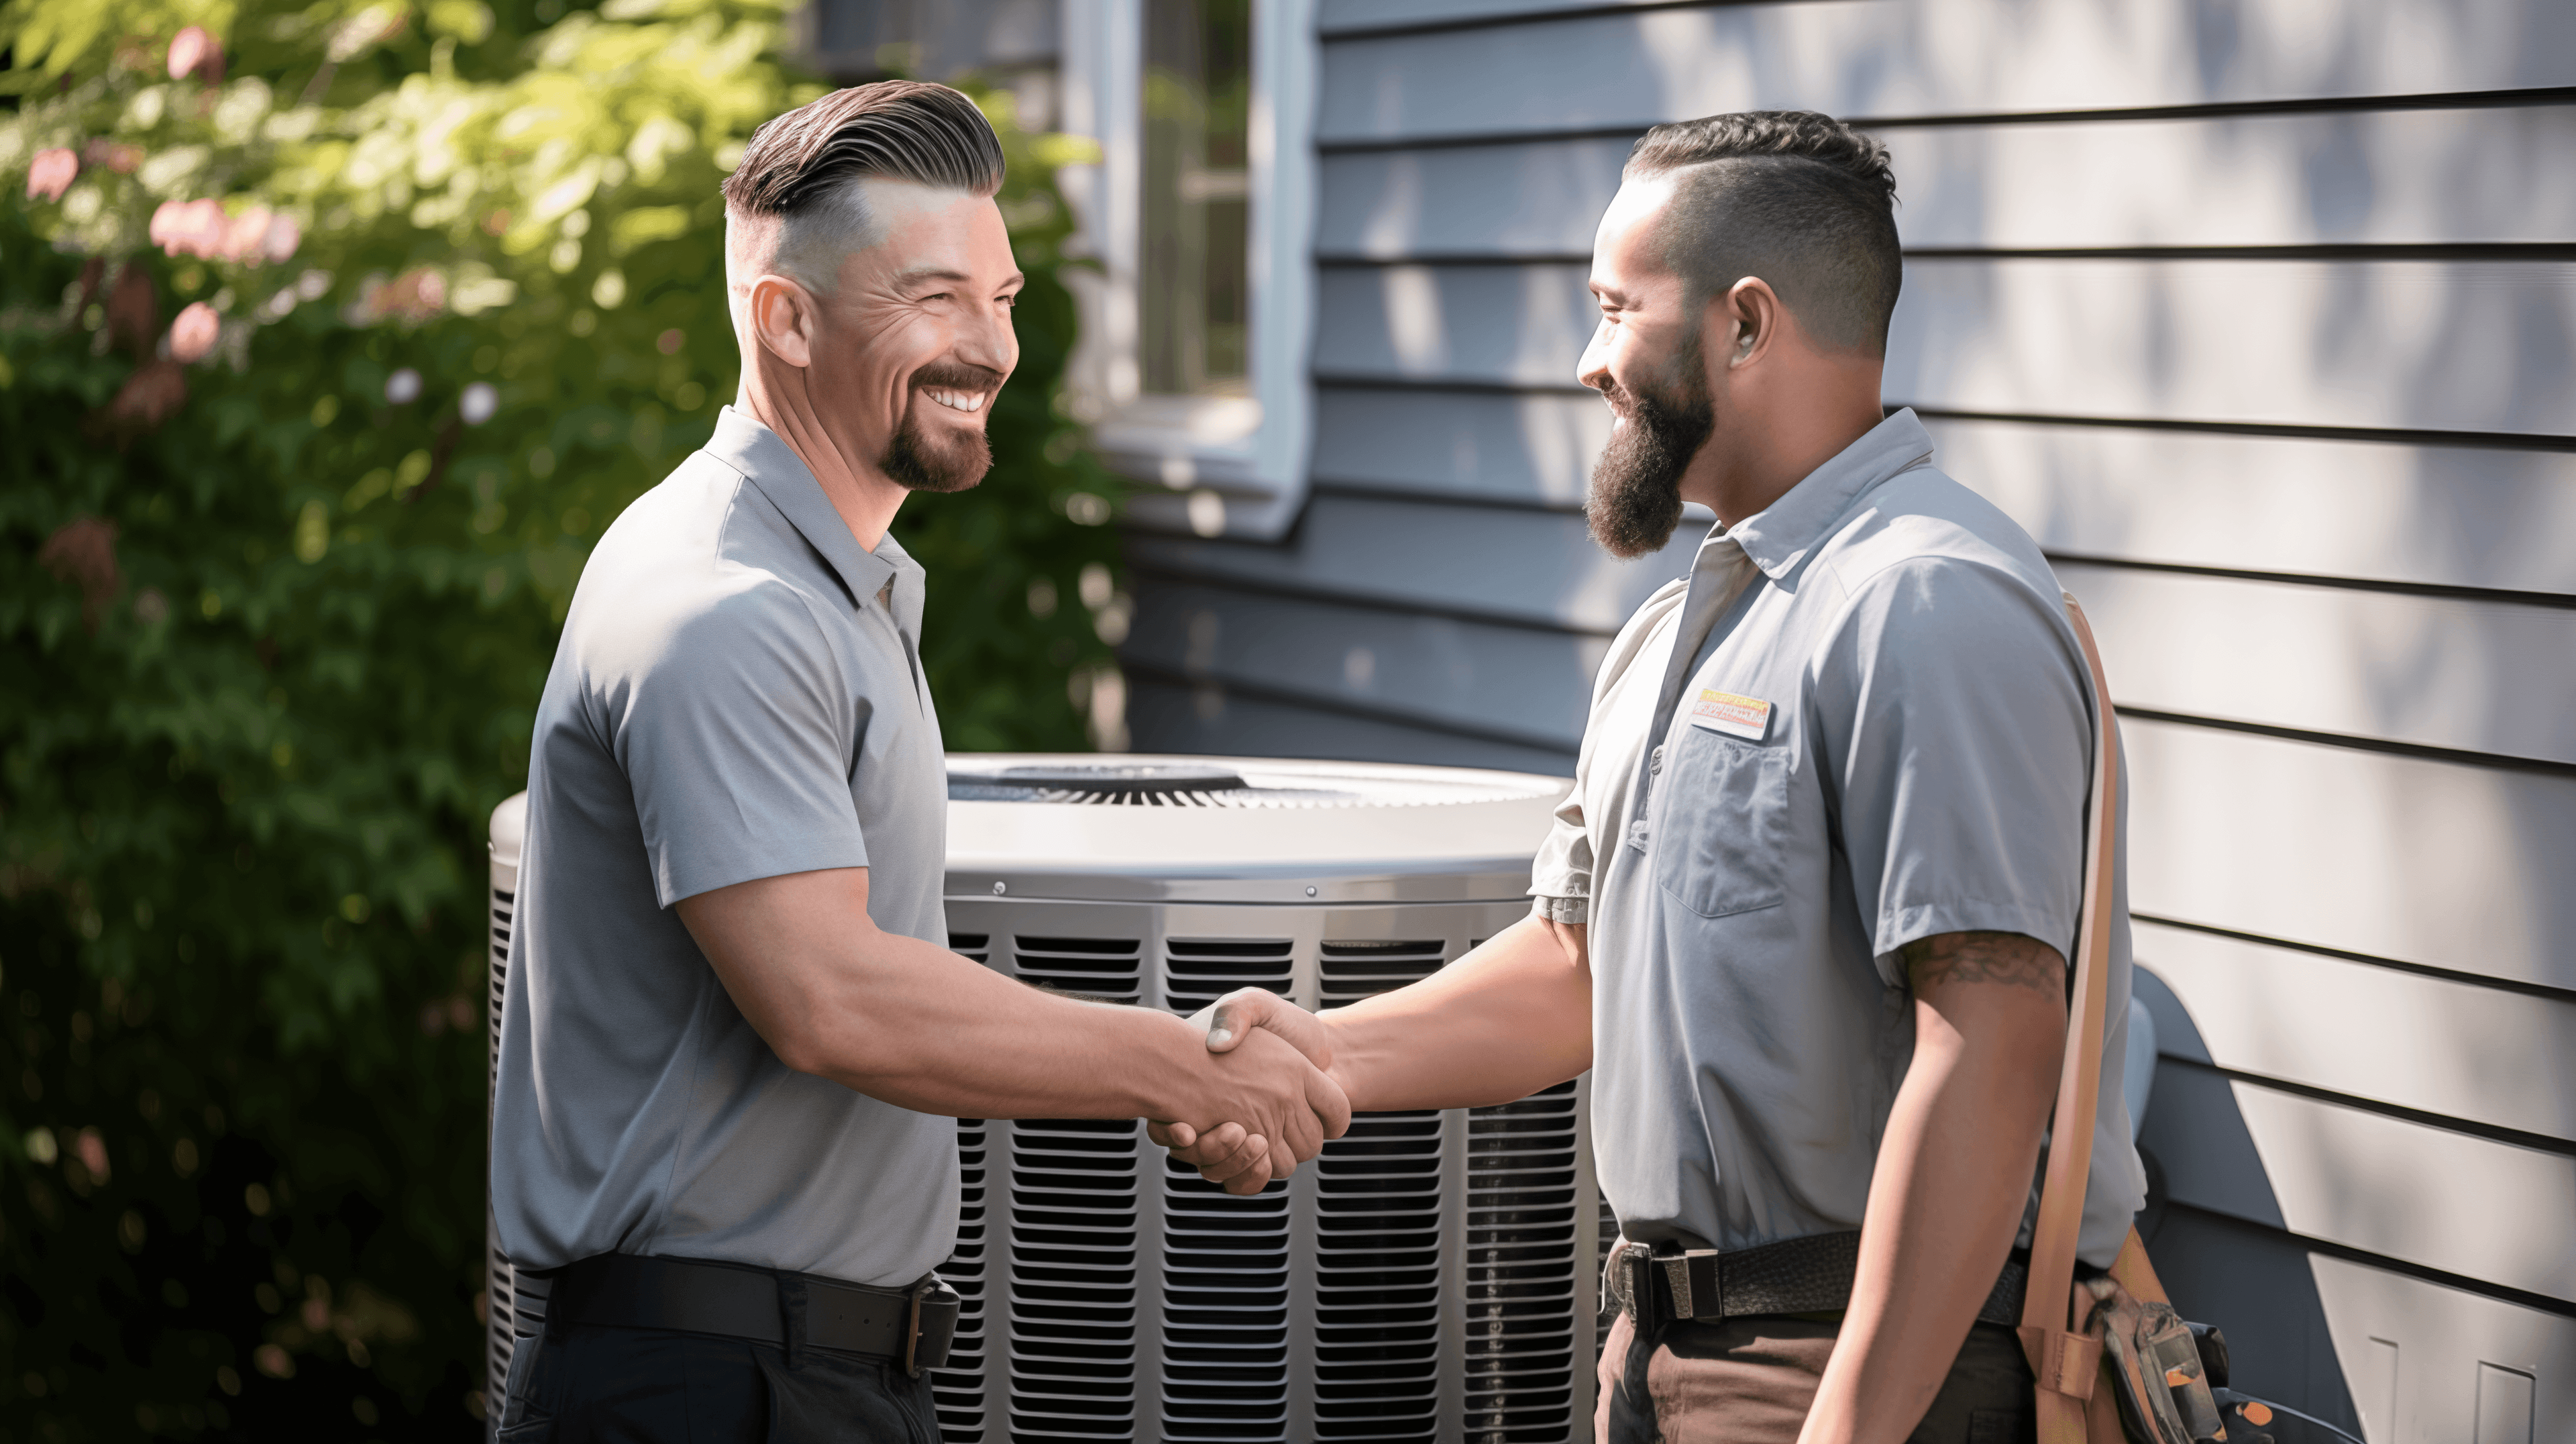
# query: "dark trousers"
(1751, 1381)
(595, 1385)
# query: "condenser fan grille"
(1168, 784)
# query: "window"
(1197, 103)
(1192, 368)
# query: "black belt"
(1811, 1275)
(770, 1306)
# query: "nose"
(989, 340)
(1593, 369)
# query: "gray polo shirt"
(736, 696)
(1861, 720)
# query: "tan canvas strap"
(2063, 1357)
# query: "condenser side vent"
(959, 1388)
(1199, 973)
(500, 1281)
(1356, 970)
(1225, 1310)
(1073, 1288)
(1377, 1281)
(1108, 969)
(1520, 1310)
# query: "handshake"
(1277, 1098)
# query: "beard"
(1635, 499)
(917, 461)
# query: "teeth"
(957, 401)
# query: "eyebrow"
(914, 277)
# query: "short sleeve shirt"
(1863, 719)
(737, 695)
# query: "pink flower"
(51, 174)
(280, 239)
(194, 50)
(244, 234)
(193, 335)
(200, 228)
(189, 228)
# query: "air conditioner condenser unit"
(1431, 1278)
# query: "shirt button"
(1655, 763)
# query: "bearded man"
(1807, 912)
(734, 1040)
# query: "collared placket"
(1720, 571)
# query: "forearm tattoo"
(2007, 958)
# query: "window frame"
(1209, 465)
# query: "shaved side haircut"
(794, 204)
(1798, 199)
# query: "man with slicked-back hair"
(1807, 913)
(734, 1043)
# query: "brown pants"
(1749, 1381)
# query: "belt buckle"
(1635, 1263)
(1677, 1278)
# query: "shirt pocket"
(1722, 842)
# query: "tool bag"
(2115, 1364)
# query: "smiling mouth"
(955, 400)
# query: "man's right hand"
(1265, 1109)
(1222, 1154)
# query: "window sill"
(1218, 469)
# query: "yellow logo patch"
(1745, 717)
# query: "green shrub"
(273, 622)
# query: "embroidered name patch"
(1745, 717)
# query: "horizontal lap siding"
(2412, 1040)
(2468, 676)
(1888, 59)
(2480, 518)
(2441, 864)
(2434, 1197)
(1524, 686)
(1503, 565)
(2468, 346)
(2261, 317)
(1468, 445)
(2407, 177)
(2443, 346)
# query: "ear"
(1757, 316)
(784, 316)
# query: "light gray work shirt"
(737, 695)
(1862, 719)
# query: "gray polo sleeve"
(1561, 874)
(1956, 733)
(735, 729)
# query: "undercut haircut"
(1797, 199)
(803, 168)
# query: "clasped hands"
(1275, 1128)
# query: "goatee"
(1635, 499)
(915, 461)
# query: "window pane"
(1198, 92)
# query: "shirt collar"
(768, 462)
(1780, 536)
